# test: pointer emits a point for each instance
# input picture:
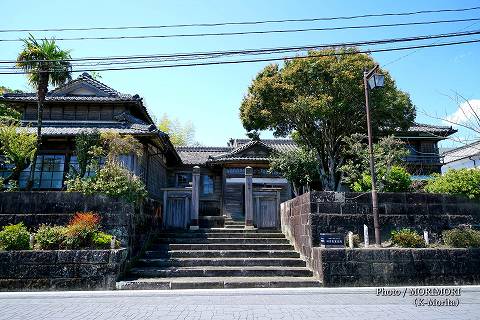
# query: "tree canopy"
(180, 134)
(320, 100)
(297, 166)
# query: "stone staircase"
(229, 257)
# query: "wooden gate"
(266, 208)
(177, 207)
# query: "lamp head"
(377, 80)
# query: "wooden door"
(266, 213)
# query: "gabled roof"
(240, 153)
(279, 145)
(83, 89)
(198, 155)
(463, 152)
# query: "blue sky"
(210, 96)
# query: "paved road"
(264, 304)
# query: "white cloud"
(465, 112)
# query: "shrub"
(15, 237)
(112, 180)
(461, 238)
(462, 182)
(407, 238)
(102, 240)
(81, 229)
(396, 180)
(50, 237)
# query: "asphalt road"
(318, 303)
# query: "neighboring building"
(422, 142)
(467, 156)
(85, 104)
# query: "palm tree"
(44, 63)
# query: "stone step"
(236, 230)
(222, 254)
(221, 246)
(211, 221)
(220, 271)
(217, 283)
(226, 262)
(239, 241)
(225, 234)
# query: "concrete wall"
(60, 269)
(396, 266)
(130, 224)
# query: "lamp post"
(372, 80)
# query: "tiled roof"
(463, 152)
(125, 124)
(280, 145)
(199, 155)
(102, 94)
(433, 129)
(87, 78)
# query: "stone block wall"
(130, 224)
(348, 211)
(396, 266)
(60, 269)
(305, 217)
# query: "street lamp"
(372, 80)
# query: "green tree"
(320, 100)
(389, 154)
(8, 115)
(297, 166)
(180, 134)
(44, 63)
(18, 148)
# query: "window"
(183, 180)
(5, 168)
(207, 184)
(48, 173)
(91, 170)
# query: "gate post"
(195, 198)
(248, 198)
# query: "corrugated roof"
(463, 152)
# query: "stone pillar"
(195, 198)
(248, 198)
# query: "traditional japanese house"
(85, 104)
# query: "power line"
(244, 22)
(256, 32)
(271, 59)
(261, 50)
(412, 52)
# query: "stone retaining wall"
(341, 212)
(396, 266)
(130, 224)
(60, 269)
(305, 217)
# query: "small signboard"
(332, 240)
